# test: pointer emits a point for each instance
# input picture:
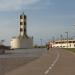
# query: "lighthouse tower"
(23, 31)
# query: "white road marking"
(52, 65)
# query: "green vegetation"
(70, 49)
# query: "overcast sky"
(45, 18)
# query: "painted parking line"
(53, 64)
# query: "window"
(21, 23)
(21, 17)
(73, 41)
(70, 41)
(70, 45)
(21, 29)
(74, 45)
(24, 23)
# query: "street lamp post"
(67, 38)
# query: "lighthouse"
(23, 40)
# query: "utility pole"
(67, 38)
(41, 41)
(61, 39)
(53, 39)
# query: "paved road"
(54, 62)
(23, 53)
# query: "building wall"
(64, 45)
(21, 43)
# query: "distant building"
(22, 41)
(64, 43)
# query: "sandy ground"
(8, 64)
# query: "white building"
(64, 44)
(22, 41)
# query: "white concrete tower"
(22, 41)
(23, 31)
